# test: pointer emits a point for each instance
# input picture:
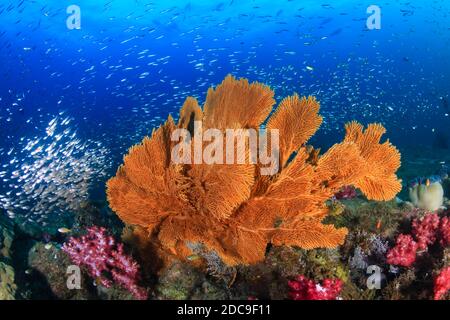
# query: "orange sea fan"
(298, 120)
(237, 104)
(232, 209)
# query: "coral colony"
(231, 208)
(105, 260)
(442, 283)
(425, 232)
(404, 252)
(222, 149)
(191, 217)
(302, 288)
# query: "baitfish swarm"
(50, 174)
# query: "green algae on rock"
(7, 286)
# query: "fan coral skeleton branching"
(231, 208)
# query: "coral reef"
(442, 283)
(105, 260)
(444, 231)
(96, 213)
(6, 238)
(381, 218)
(302, 288)
(46, 271)
(183, 281)
(426, 231)
(374, 228)
(43, 272)
(37, 269)
(8, 286)
(214, 265)
(404, 252)
(232, 209)
(425, 252)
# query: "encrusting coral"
(231, 208)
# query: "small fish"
(379, 224)
(193, 257)
(48, 246)
(64, 230)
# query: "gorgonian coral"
(231, 208)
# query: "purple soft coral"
(346, 193)
(105, 260)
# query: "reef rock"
(48, 272)
(7, 286)
(6, 237)
(183, 281)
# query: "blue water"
(132, 63)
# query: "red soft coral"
(425, 230)
(105, 260)
(404, 252)
(444, 230)
(303, 288)
(442, 283)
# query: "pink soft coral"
(425, 230)
(105, 260)
(345, 193)
(442, 283)
(302, 288)
(404, 252)
(444, 231)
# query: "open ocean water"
(82, 81)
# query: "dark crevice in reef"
(31, 283)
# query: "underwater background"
(72, 101)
